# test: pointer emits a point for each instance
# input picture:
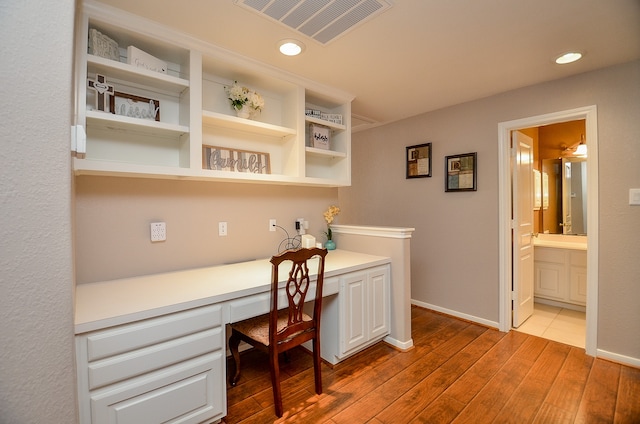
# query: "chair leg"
(234, 342)
(275, 381)
(317, 372)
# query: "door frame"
(589, 114)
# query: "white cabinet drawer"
(549, 254)
(257, 304)
(331, 286)
(186, 393)
(134, 336)
(578, 258)
(131, 364)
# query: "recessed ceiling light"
(290, 47)
(568, 58)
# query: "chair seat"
(257, 328)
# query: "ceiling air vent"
(321, 20)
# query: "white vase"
(245, 113)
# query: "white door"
(522, 217)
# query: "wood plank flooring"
(458, 372)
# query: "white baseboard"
(616, 357)
(403, 346)
(482, 321)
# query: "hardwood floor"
(458, 372)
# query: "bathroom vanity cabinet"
(561, 275)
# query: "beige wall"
(455, 246)
(37, 374)
(113, 216)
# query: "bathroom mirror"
(564, 190)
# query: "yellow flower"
(331, 213)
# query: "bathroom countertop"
(561, 241)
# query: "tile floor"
(558, 324)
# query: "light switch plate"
(634, 196)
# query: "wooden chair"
(286, 325)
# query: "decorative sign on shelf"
(140, 59)
(124, 104)
(104, 92)
(103, 46)
(235, 160)
(336, 118)
(319, 136)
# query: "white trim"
(477, 320)
(404, 346)
(616, 357)
(388, 232)
(589, 113)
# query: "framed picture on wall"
(419, 161)
(461, 171)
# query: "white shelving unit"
(195, 111)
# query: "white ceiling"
(422, 55)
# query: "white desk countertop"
(108, 303)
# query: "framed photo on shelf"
(235, 160)
(319, 136)
(461, 172)
(419, 161)
(124, 104)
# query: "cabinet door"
(578, 285)
(550, 280)
(378, 288)
(353, 298)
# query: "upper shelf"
(329, 124)
(134, 74)
(119, 122)
(235, 123)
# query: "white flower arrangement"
(241, 96)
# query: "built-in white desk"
(154, 345)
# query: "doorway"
(589, 114)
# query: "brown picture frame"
(419, 161)
(134, 106)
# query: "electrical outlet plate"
(222, 228)
(272, 224)
(158, 231)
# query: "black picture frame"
(461, 172)
(418, 159)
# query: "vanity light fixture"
(291, 47)
(568, 57)
(581, 150)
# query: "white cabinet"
(169, 369)
(194, 110)
(359, 315)
(561, 275)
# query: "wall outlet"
(300, 226)
(634, 196)
(272, 225)
(222, 228)
(158, 231)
